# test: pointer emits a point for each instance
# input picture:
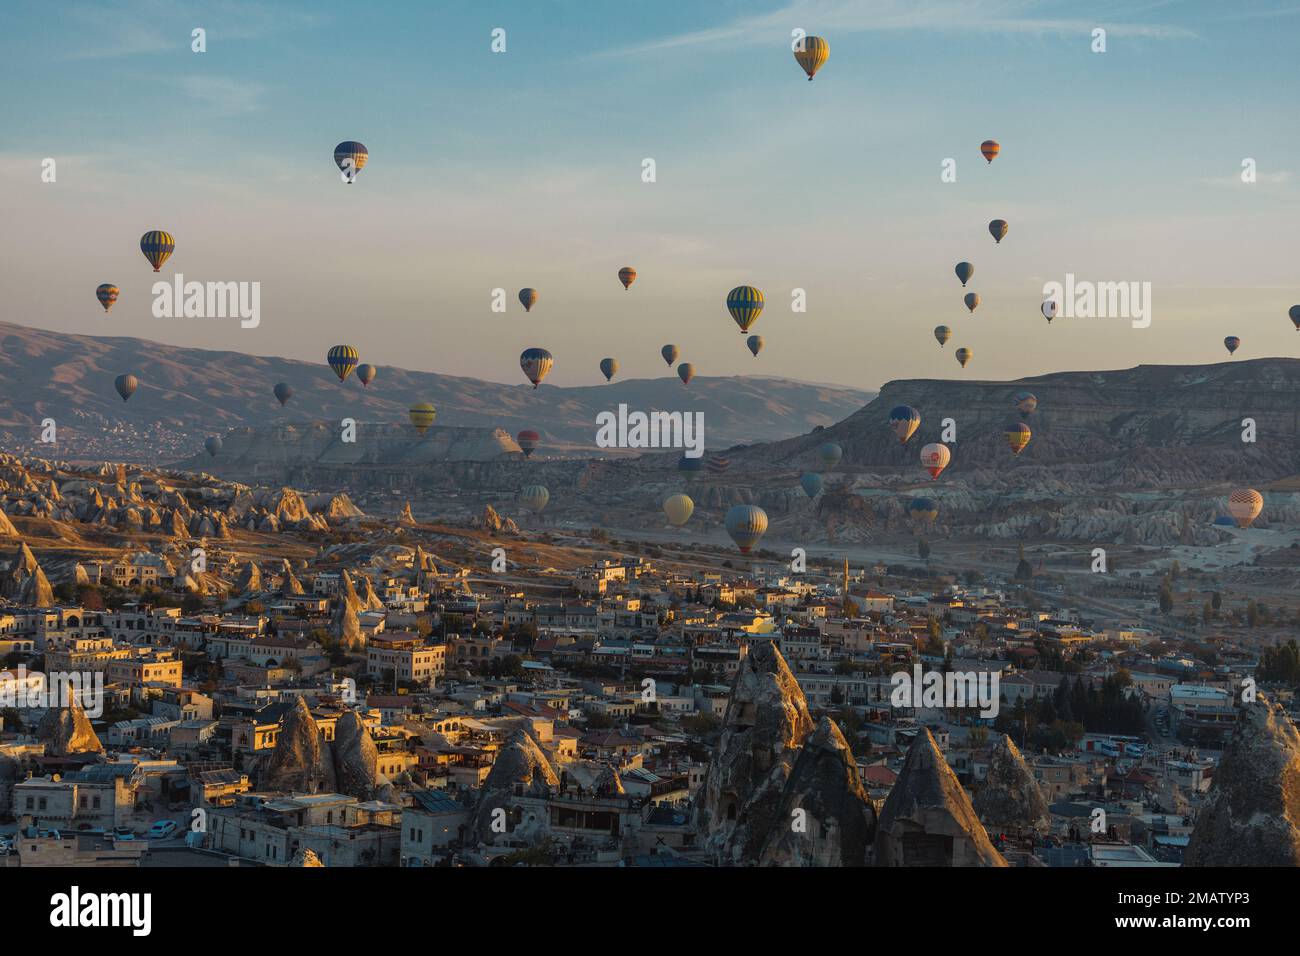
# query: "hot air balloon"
(830, 454)
(923, 509)
(1295, 316)
(745, 303)
(942, 334)
(107, 295)
(1245, 504)
(536, 363)
(157, 247)
(689, 465)
(811, 53)
(126, 385)
(963, 356)
(350, 157)
(718, 465)
(283, 392)
(528, 440)
(811, 483)
(755, 343)
(1231, 343)
(1018, 435)
(422, 415)
(746, 524)
(935, 458)
(534, 497)
(1027, 402)
(678, 508)
(366, 373)
(670, 353)
(343, 359)
(990, 149)
(998, 229)
(964, 271)
(213, 445)
(609, 368)
(904, 420)
(1049, 309)
(528, 299)
(627, 275)
(686, 372)
(972, 300)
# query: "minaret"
(845, 600)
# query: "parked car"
(163, 829)
(123, 833)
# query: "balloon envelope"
(343, 359)
(904, 420)
(283, 392)
(924, 509)
(157, 247)
(627, 275)
(536, 363)
(528, 299)
(1018, 435)
(1049, 309)
(935, 458)
(670, 353)
(1026, 402)
(972, 300)
(1231, 343)
(830, 454)
(812, 53)
(998, 229)
(1295, 316)
(528, 440)
(213, 445)
(350, 153)
(746, 524)
(755, 343)
(1245, 504)
(126, 385)
(964, 271)
(990, 148)
(678, 508)
(534, 497)
(963, 356)
(609, 368)
(366, 373)
(942, 334)
(745, 303)
(107, 295)
(689, 465)
(811, 483)
(422, 415)
(686, 372)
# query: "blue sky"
(523, 169)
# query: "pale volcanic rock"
(1011, 800)
(67, 730)
(928, 820)
(305, 858)
(249, 580)
(493, 522)
(521, 765)
(347, 625)
(837, 821)
(24, 582)
(7, 529)
(291, 586)
(355, 757)
(1251, 816)
(406, 517)
(299, 762)
(766, 723)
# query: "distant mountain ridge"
(186, 394)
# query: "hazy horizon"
(524, 169)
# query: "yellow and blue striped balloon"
(343, 359)
(745, 303)
(157, 247)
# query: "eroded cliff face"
(1251, 816)
(927, 819)
(766, 724)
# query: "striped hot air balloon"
(746, 524)
(1245, 504)
(534, 497)
(350, 157)
(811, 53)
(343, 359)
(627, 275)
(1232, 343)
(935, 458)
(688, 465)
(972, 300)
(904, 420)
(157, 247)
(366, 373)
(422, 415)
(528, 299)
(718, 465)
(107, 295)
(964, 271)
(528, 440)
(923, 509)
(126, 385)
(942, 334)
(963, 356)
(998, 229)
(1018, 435)
(678, 508)
(536, 364)
(745, 303)
(990, 148)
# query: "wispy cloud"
(225, 96)
(863, 16)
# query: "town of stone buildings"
(396, 693)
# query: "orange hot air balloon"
(627, 275)
(1245, 504)
(1018, 435)
(812, 54)
(990, 148)
(935, 458)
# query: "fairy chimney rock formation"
(1011, 800)
(299, 762)
(521, 768)
(927, 819)
(67, 730)
(355, 757)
